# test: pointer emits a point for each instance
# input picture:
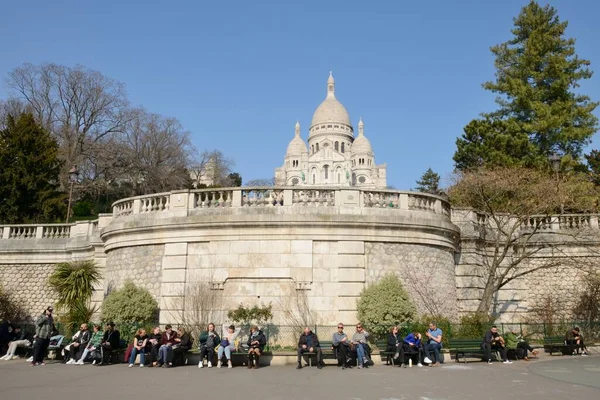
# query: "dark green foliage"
(473, 325)
(540, 113)
(130, 305)
(235, 179)
(593, 161)
(429, 183)
(246, 315)
(74, 282)
(29, 172)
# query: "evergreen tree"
(429, 183)
(593, 161)
(539, 112)
(29, 171)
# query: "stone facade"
(28, 285)
(139, 264)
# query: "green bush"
(422, 325)
(384, 304)
(130, 305)
(473, 325)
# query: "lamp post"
(555, 162)
(73, 175)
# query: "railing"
(48, 231)
(313, 197)
(544, 223)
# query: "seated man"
(20, 339)
(518, 345)
(343, 347)
(574, 339)
(93, 346)
(167, 343)
(411, 348)
(77, 347)
(493, 341)
(309, 342)
(434, 344)
(111, 340)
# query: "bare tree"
(202, 305)
(79, 106)
(517, 206)
(211, 168)
(295, 310)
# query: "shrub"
(130, 305)
(422, 325)
(384, 304)
(474, 325)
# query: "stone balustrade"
(48, 231)
(545, 223)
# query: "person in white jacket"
(230, 333)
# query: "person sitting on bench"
(574, 339)
(493, 341)
(411, 347)
(518, 345)
(256, 342)
(359, 339)
(394, 342)
(20, 339)
(167, 342)
(111, 340)
(153, 345)
(77, 347)
(227, 344)
(93, 346)
(343, 347)
(309, 342)
(207, 341)
(434, 343)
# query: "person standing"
(309, 342)
(434, 344)
(207, 342)
(44, 326)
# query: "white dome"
(361, 144)
(330, 110)
(297, 146)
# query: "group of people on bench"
(226, 345)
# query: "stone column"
(172, 291)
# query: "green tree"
(235, 179)
(29, 172)
(130, 305)
(429, 183)
(539, 111)
(384, 304)
(593, 161)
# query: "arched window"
(312, 149)
(326, 170)
(314, 179)
(339, 178)
(342, 147)
(317, 148)
(336, 146)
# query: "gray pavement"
(556, 378)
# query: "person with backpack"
(207, 343)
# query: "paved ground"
(557, 378)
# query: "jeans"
(163, 353)
(12, 346)
(435, 347)
(226, 350)
(86, 351)
(361, 353)
(135, 352)
(208, 352)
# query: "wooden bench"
(556, 344)
(327, 351)
(389, 355)
(463, 347)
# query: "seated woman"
(411, 348)
(93, 346)
(227, 344)
(139, 347)
(207, 342)
(167, 341)
(361, 345)
(256, 342)
(394, 342)
(153, 344)
(183, 342)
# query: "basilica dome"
(361, 144)
(297, 146)
(331, 111)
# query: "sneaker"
(419, 365)
(320, 366)
(229, 364)
(584, 354)
(4, 357)
(130, 365)
(427, 360)
(71, 362)
(299, 366)
(94, 362)
(15, 358)
(507, 362)
(209, 364)
(360, 367)
(404, 365)
(42, 364)
(30, 359)
(201, 364)
(489, 361)
(219, 363)
(80, 362)
(142, 365)
(33, 364)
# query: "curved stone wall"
(28, 285)
(139, 264)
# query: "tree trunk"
(487, 298)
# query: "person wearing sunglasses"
(361, 344)
(343, 347)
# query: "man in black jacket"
(79, 344)
(110, 341)
(309, 342)
(493, 341)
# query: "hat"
(50, 309)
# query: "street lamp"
(73, 176)
(555, 162)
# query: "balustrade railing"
(262, 197)
(313, 197)
(159, 202)
(213, 198)
(421, 202)
(56, 231)
(22, 232)
(381, 199)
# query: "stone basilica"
(334, 156)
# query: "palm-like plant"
(74, 282)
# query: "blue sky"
(238, 74)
